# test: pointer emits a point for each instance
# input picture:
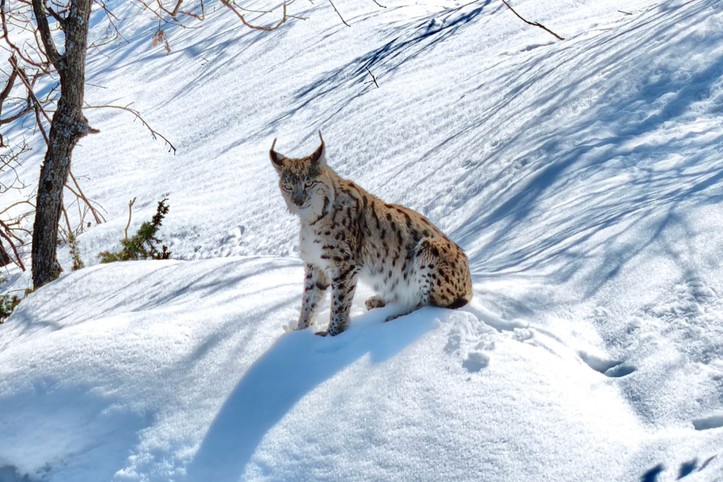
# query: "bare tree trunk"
(4, 257)
(68, 126)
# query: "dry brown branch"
(5, 94)
(177, 10)
(68, 228)
(534, 24)
(85, 206)
(112, 19)
(10, 82)
(51, 51)
(374, 79)
(5, 21)
(8, 161)
(99, 218)
(16, 204)
(6, 233)
(29, 86)
(154, 133)
(338, 13)
(174, 13)
(241, 17)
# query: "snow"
(582, 177)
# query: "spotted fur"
(348, 235)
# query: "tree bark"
(68, 126)
(4, 257)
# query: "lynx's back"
(348, 234)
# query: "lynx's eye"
(309, 183)
(286, 186)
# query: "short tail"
(458, 303)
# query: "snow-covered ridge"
(583, 178)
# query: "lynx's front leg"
(315, 285)
(343, 285)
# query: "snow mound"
(582, 177)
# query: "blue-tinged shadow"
(652, 474)
(292, 368)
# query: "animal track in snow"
(609, 368)
(468, 339)
(707, 423)
(475, 361)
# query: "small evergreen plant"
(144, 244)
(75, 252)
(8, 303)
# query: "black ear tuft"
(319, 152)
(276, 158)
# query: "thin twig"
(374, 79)
(130, 215)
(535, 24)
(81, 195)
(29, 87)
(46, 35)
(337, 12)
(233, 8)
(6, 233)
(154, 133)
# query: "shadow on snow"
(293, 367)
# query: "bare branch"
(337, 12)
(5, 21)
(50, 49)
(81, 195)
(534, 24)
(175, 12)
(29, 87)
(154, 133)
(112, 19)
(6, 233)
(374, 79)
(9, 85)
(235, 10)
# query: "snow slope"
(583, 178)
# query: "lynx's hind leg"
(445, 273)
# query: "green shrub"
(75, 252)
(7, 305)
(144, 244)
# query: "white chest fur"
(310, 247)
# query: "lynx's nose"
(298, 200)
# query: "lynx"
(348, 235)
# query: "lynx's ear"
(276, 159)
(318, 156)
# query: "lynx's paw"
(374, 302)
(329, 332)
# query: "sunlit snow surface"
(583, 177)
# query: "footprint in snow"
(609, 368)
(708, 423)
(468, 339)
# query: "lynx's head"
(305, 182)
